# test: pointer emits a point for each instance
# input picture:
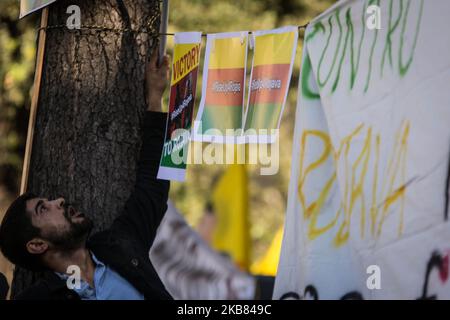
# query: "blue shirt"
(108, 285)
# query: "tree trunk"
(87, 134)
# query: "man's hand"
(156, 78)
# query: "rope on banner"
(143, 29)
(205, 34)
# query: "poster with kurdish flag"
(274, 53)
(183, 85)
(30, 6)
(222, 106)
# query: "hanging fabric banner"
(368, 202)
(30, 6)
(274, 54)
(191, 269)
(220, 114)
(183, 86)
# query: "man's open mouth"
(74, 214)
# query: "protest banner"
(183, 85)
(29, 6)
(191, 269)
(367, 212)
(274, 53)
(223, 89)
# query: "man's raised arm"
(147, 204)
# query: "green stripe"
(167, 161)
(263, 116)
(221, 117)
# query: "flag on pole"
(268, 264)
(230, 203)
(29, 6)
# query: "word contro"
(345, 46)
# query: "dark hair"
(15, 231)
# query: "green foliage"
(17, 55)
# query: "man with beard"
(41, 234)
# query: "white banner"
(30, 6)
(367, 214)
(190, 269)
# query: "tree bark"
(87, 134)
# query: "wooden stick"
(163, 30)
(34, 100)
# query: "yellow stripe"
(274, 48)
(228, 53)
(230, 199)
(185, 59)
